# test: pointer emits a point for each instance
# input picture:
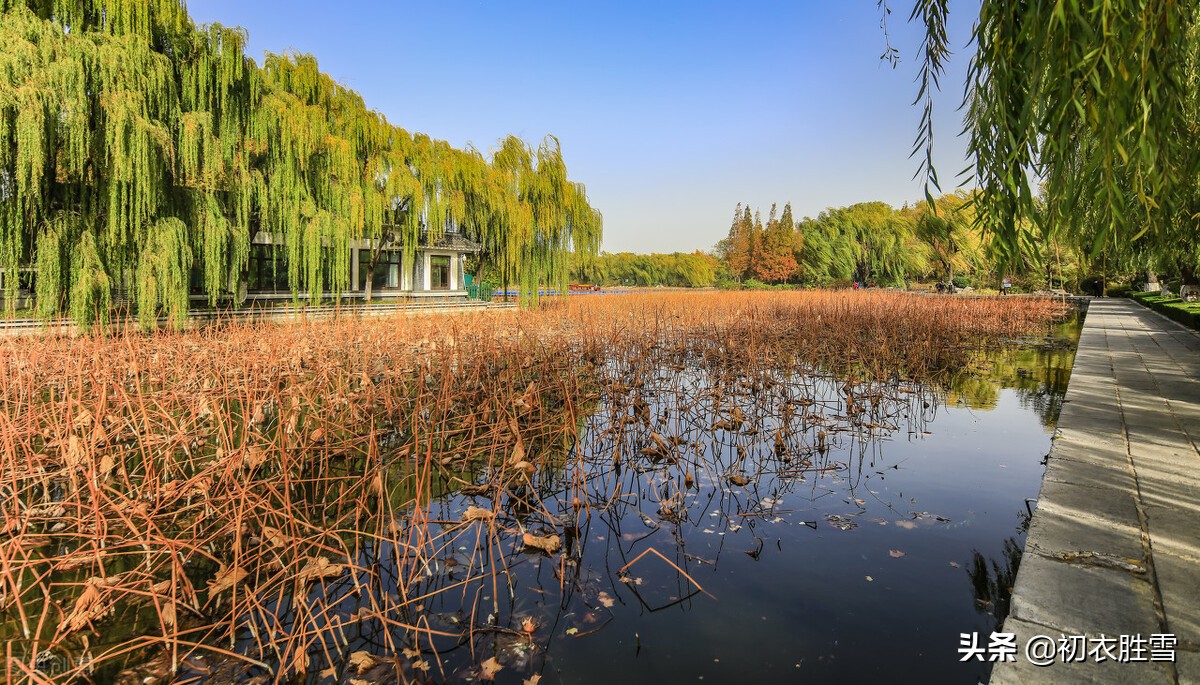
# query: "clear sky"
(670, 112)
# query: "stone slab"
(1077, 599)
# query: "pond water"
(812, 530)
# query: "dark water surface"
(846, 551)
(825, 604)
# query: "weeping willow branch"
(136, 148)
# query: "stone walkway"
(1114, 545)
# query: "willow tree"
(142, 156)
(1098, 99)
(948, 229)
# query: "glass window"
(267, 269)
(439, 272)
(386, 273)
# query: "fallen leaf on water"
(274, 536)
(518, 454)
(549, 544)
(226, 578)
(572, 631)
(74, 454)
(362, 661)
(474, 513)
(605, 599)
(411, 653)
(421, 664)
(489, 669)
(529, 625)
(870, 579)
(107, 464)
(954, 564)
(840, 522)
(89, 606)
(738, 479)
(906, 524)
(318, 568)
(895, 553)
(533, 680)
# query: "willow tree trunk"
(371, 265)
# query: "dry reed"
(220, 492)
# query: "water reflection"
(1038, 370)
(993, 581)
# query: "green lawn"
(1185, 313)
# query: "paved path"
(1114, 546)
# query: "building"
(437, 271)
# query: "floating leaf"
(89, 606)
(548, 544)
(840, 522)
(363, 661)
(909, 525)
(318, 568)
(474, 513)
(895, 553)
(489, 669)
(226, 578)
(605, 599)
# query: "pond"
(781, 527)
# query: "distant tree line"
(678, 269)
(872, 242)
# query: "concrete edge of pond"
(1114, 545)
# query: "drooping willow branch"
(136, 148)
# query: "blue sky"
(670, 112)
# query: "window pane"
(439, 266)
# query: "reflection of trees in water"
(1038, 372)
(992, 580)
